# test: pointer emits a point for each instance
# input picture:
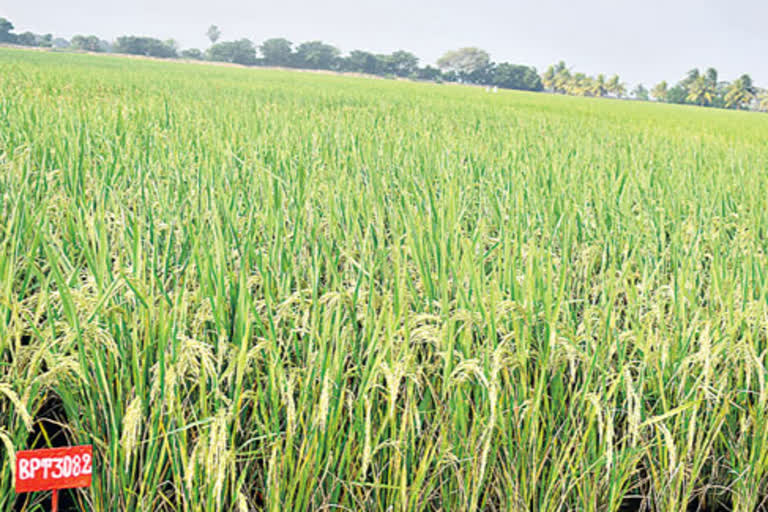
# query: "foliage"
(25, 38)
(511, 76)
(762, 99)
(464, 61)
(192, 53)
(740, 93)
(616, 87)
(428, 73)
(362, 62)
(706, 90)
(677, 94)
(469, 65)
(88, 43)
(6, 28)
(556, 78)
(640, 93)
(450, 76)
(598, 86)
(316, 55)
(241, 51)
(559, 79)
(213, 33)
(147, 46)
(701, 91)
(277, 52)
(660, 91)
(400, 63)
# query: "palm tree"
(615, 86)
(561, 80)
(571, 83)
(748, 84)
(213, 33)
(762, 101)
(548, 78)
(690, 77)
(711, 75)
(659, 92)
(738, 94)
(640, 93)
(555, 77)
(701, 91)
(597, 87)
(588, 86)
(579, 85)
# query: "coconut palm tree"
(589, 86)
(615, 86)
(690, 77)
(579, 85)
(748, 84)
(548, 78)
(711, 76)
(561, 80)
(659, 92)
(762, 100)
(701, 91)
(598, 86)
(739, 94)
(571, 86)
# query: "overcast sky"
(642, 41)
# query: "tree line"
(465, 65)
(696, 88)
(559, 79)
(468, 65)
(704, 89)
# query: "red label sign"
(54, 468)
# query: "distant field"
(271, 290)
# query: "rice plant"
(273, 290)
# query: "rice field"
(271, 290)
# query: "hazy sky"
(642, 41)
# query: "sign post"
(52, 469)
